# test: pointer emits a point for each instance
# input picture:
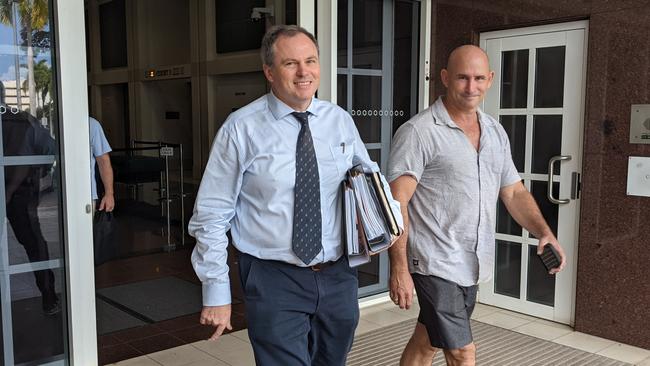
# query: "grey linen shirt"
(452, 213)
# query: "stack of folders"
(369, 223)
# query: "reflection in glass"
(549, 210)
(32, 208)
(342, 91)
(507, 271)
(547, 142)
(549, 77)
(367, 34)
(515, 127)
(514, 79)
(31, 199)
(368, 273)
(342, 36)
(29, 317)
(366, 104)
(540, 285)
(505, 223)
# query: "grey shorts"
(445, 310)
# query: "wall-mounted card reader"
(640, 124)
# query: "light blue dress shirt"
(248, 187)
(98, 147)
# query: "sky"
(7, 55)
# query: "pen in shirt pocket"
(343, 147)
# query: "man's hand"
(549, 239)
(401, 288)
(217, 316)
(107, 203)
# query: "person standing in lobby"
(99, 154)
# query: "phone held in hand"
(549, 257)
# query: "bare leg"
(418, 351)
(465, 356)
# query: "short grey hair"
(267, 51)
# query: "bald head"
(465, 53)
(467, 78)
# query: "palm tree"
(42, 81)
(34, 16)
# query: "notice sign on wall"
(638, 176)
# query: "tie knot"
(302, 117)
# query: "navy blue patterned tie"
(307, 230)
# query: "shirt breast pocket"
(342, 155)
(492, 159)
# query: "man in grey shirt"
(448, 166)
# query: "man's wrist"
(399, 267)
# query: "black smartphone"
(549, 257)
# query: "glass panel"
(549, 210)
(366, 104)
(368, 273)
(31, 199)
(342, 91)
(515, 127)
(505, 223)
(2, 343)
(112, 33)
(342, 37)
(33, 207)
(547, 142)
(514, 79)
(507, 271)
(540, 285)
(291, 12)
(36, 305)
(234, 18)
(405, 56)
(367, 34)
(549, 77)
(375, 155)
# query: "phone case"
(549, 257)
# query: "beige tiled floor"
(234, 349)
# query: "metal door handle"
(549, 192)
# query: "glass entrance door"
(32, 265)
(538, 96)
(377, 83)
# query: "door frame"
(565, 288)
(326, 15)
(70, 53)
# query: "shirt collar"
(280, 110)
(441, 116)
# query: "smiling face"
(295, 73)
(467, 78)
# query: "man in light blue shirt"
(99, 149)
(267, 165)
